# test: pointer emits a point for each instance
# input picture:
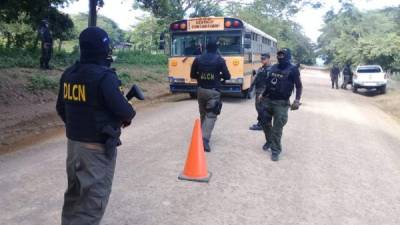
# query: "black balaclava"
(212, 45)
(94, 45)
(285, 61)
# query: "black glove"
(126, 123)
(295, 105)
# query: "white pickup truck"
(370, 77)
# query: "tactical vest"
(279, 84)
(84, 106)
(209, 72)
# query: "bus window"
(187, 44)
(228, 43)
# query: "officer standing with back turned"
(93, 109)
(280, 83)
(259, 85)
(209, 70)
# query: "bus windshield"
(192, 44)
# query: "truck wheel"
(382, 90)
(193, 95)
(355, 89)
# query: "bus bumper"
(190, 88)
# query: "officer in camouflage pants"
(280, 83)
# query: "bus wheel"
(193, 95)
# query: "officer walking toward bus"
(46, 44)
(280, 83)
(259, 85)
(209, 70)
(93, 109)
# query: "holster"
(112, 141)
(218, 107)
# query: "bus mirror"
(162, 42)
(247, 43)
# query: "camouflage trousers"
(90, 175)
(208, 100)
(274, 116)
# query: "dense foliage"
(351, 36)
(270, 18)
(19, 20)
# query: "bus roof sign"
(206, 24)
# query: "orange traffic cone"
(196, 165)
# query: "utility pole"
(92, 13)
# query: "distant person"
(93, 109)
(347, 76)
(46, 44)
(209, 70)
(199, 50)
(335, 73)
(281, 80)
(259, 85)
(193, 49)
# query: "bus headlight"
(235, 81)
(174, 63)
(176, 80)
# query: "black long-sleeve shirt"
(209, 69)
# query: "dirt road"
(340, 165)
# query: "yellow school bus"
(240, 44)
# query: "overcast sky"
(122, 13)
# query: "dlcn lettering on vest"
(75, 92)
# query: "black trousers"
(47, 50)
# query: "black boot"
(256, 126)
(266, 146)
(274, 157)
(206, 144)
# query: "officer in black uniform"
(347, 76)
(335, 73)
(46, 44)
(280, 83)
(259, 85)
(209, 70)
(93, 109)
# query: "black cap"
(265, 56)
(94, 43)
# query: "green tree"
(170, 10)
(209, 8)
(270, 17)
(26, 16)
(116, 34)
(150, 28)
(361, 37)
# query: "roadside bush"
(125, 78)
(40, 82)
(136, 58)
(14, 57)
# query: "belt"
(94, 146)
